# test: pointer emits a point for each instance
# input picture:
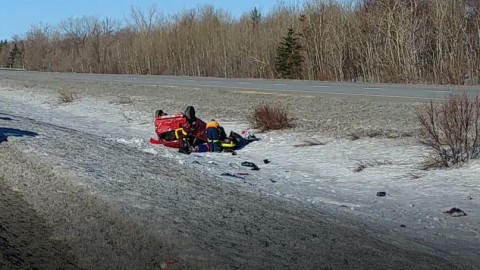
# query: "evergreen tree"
(255, 16)
(289, 59)
(13, 56)
(3, 44)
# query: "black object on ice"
(250, 164)
(266, 161)
(455, 212)
(185, 150)
(469, 198)
(381, 194)
(234, 153)
(403, 225)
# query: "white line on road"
(321, 86)
(437, 91)
(243, 83)
(373, 88)
(279, 84)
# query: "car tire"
(158, 113)
(190, 114)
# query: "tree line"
(396, 41)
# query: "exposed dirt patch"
(25, 238)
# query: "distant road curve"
(382, 91)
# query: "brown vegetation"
(125, 100)
(268, 117)
(451, 130)
(67, 97)
(434, 41)
(363, 164)
(310, 142)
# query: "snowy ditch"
(327, 174)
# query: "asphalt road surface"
(414, 92)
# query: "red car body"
(166, 125)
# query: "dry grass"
(310, 142)
(125, 100)
(266, 117)
(451, 130)
(353, 136)
(363, 164)
(65, 96)
(358, 134)
(377, 133)
(414, 176)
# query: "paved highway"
(414, 92)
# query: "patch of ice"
(333, 202)
(137, 142)
(150, 150)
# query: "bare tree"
(451, 130)
(39, 46)
(408, 41)
(103, 35)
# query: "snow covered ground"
(320, 175)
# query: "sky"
(16, 17)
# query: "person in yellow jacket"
(214, 136)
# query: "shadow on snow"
(14, 132)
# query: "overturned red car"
(173, 130)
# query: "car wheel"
(190, 114)
(158, 113)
